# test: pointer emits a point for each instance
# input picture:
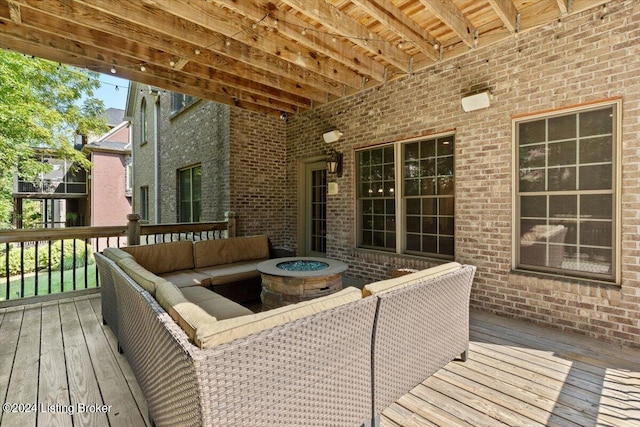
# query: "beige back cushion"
(164, 257)
(223, 331)
(227, 251)
(143, 277)
(186, 314)
(383, 286)
(115, 254)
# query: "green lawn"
(43, 283)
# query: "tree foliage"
(43, 104)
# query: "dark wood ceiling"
(267, 56)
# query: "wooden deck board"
(517, 374)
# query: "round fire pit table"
(294, 279)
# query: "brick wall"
(143, 154)
(257, 174)
(198, 135)
(587, 57)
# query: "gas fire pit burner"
(302, 265)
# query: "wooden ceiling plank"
(397, 21)
(292, 27)
(87, 56)
(46, 52)
(222, 26)
(507, 12)
(249, 81)
(117, 25)
(451, 16)
(342, 25)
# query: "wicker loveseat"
(325, 362)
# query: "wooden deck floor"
(58, 355)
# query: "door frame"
(303, 198)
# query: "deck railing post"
(230, 217)
(133, 229)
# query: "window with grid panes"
(189, 194)
(429, 196)
(566, 192)
(423, 198)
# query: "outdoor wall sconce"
(334, 163)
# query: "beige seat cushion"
(214, 304)
(223, 331)
(164, 257)
(236, 272)
(115, 254)
(143, 277)
(383, 286)
(208, 253)
(186, 314)
(184, 278)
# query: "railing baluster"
(8, 273)
(35, 277)
(21, 269)
(62, 265)
(49, 265)
(86, 264)
(73, 268)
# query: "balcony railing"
(50, 188)
(39, 262)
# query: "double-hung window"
(189, 202)
(406, 197)
(566, 192)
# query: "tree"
(43, 104)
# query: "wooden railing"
(38, 262)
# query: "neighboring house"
(110, 179)
(71, 198)
(539, 189)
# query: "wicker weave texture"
(314, 371)
(311, 372)
(419, 329)
(164, 370)
(108, 291)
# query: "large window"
(566, 192)
(144, 203)
(414, 182)
(189, 194)
(144, 123)
(180, 101)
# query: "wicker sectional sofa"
(338, 360)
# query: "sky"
(112, 91)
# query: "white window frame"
(399, 197)
(615, 275)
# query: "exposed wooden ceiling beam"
(182, 38)
(210, 27)
(344, 26)
(447, 12)
(36, 49)
(143, 55)
(100, 60)
(292, 27)
(507, 13)
(397, 21)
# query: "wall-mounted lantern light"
(334, 163)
